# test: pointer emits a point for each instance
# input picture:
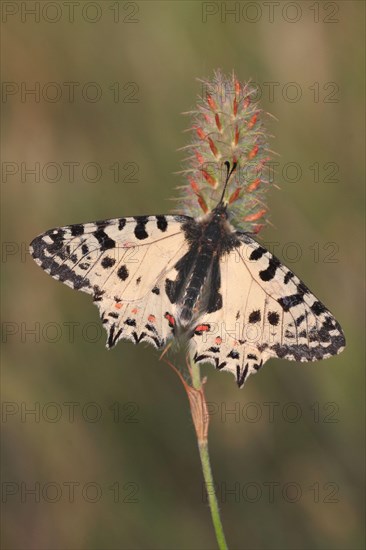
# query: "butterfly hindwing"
(122, 263)
(268, 312)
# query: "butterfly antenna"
(228, 175)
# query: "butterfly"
(157, 277)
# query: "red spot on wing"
(170, 319)
(134, 310)
(151, 318)
(202, 328)
(218, 340)
(118, 305)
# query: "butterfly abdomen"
(214, 239)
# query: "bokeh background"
(115, 426)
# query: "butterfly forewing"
(123, 263)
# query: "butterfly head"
(220, 212)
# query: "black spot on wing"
(140, 228)
(161, 223)
(122, 272)
(273, 318)
(268, 273)
(113, 336)
(108, 262)
(255, 316)
(56, 235)
(121, 223)
(77, 229)
(287, 302)
(258, 366)
(299, 320)
(257, 253)
(98, 293)
(201, 357)
(241, 376)
(156, 290)
(288, 277)
(318, 308)
(105, 242)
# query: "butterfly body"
(154, 277)
(198, 270)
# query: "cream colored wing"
(122, 263)
(266, 312)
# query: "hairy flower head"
(227, 126)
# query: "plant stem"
(210, 488)
(206, 466)
(200, 416)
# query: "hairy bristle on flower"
(228, 126)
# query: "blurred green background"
(115, 425)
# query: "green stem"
(210, 488)
(207, 472)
